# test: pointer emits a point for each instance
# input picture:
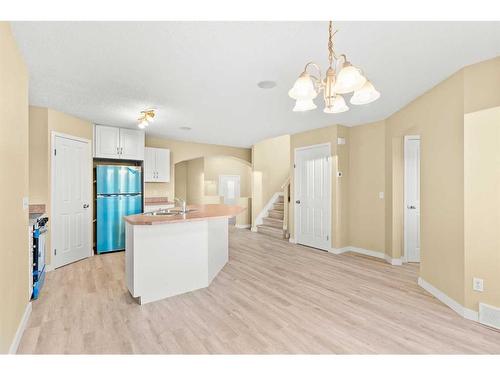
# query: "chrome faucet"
(183, 204)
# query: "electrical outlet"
(477, 284)
(26, 203)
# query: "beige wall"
(197, 181)
(271, 168)
(367, 180)
(180, 171)
(437, 116)
(227, 165)
(180, 151)
(195, 184)
(482, 206)
(14, 152)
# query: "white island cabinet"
(170, 255)
(118, 143)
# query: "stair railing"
(285, 188)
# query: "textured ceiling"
(204, 74)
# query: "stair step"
(273, 222)
(280, 199)
(276, 214)
(271, 231)
(279, 206)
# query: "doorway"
(312, 185)
(412, 198)
(71, 197)
(229, 190)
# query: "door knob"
(85, 205)
(297, 201)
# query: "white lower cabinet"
(156, 164)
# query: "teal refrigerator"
(119, 194)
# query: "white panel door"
(313, 196)
(149, 164)
(412, 199)
(162, 165)
(71, 213)
(106, 142)
(229, 190)
(131, 144)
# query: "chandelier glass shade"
(341, 78)
(365, 94)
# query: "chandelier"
(341, 78)
(147, 116)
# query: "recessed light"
(184, 128)
(266, 84)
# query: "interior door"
(313, 196)
(229, 190)
(71, 213)
(107, 142)
(412, 199)
(131, 144)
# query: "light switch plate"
(381, 194)
(478, 284)
(26, 203)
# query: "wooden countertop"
(156, 201)
(203, 212)
(37, 209)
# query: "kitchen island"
(169, 253)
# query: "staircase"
(272, 225)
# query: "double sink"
(170, 212)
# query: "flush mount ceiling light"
(341, 78)
(147, 116)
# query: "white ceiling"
(204, 74)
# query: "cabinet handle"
(118, 150)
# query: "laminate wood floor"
(272, 297)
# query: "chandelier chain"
(331, 34)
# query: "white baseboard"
(242, 226)
(359, 250)
(253, 229)
(393, 261)
(448, 301)
(371, 253)
(20, 329)
(292, 240)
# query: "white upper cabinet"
(156, 164)
(106, 142)
(131, 144)
(118, 143)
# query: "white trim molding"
(242, 226)
(448, 301)
(267, 207)
(20, 329)
(253, 229)
(292, 240)
(393, 261)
